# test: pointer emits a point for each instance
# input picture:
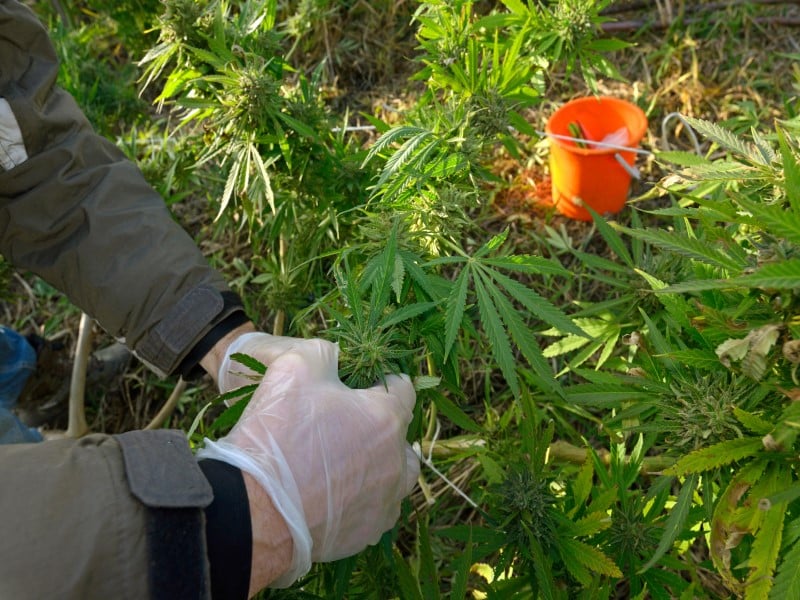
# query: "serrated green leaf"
(498, 338)
(680, 158)
(611, 237)
(520, 123)
(689, 247)
(516, 7)
(196, 421)
(543, 570)
(767, 544)
(657, 340)
(777, 220)
(590, 524)
(454, 414)
(454, 310)
(753, 422)
(582, 486)
(675, 304)
(607, 45)
(590, 557)
(228, 418)
(724, 137)
(575, 568)
(251, 363)
(205, 56)
(391, 136)
(606, 396)
(407, 581)
(564, 345)
(412, 151)
(702, 285)
(726, 170)
(520, 333)
(526, 263)
(675, 521)
(712, 457)
(237, 393)
(298, 126)
(428, 283)
(538, 306)
(494, 242)
(385, 280)
(397, 277)
(787, 580)
(779, 275)
(461, 570)
(428, 572)
(766, 154)
(405, 312)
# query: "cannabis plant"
(735, 221)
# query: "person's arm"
(75, 211)
(132, 516)
(313, 471)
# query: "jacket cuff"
(163, 475)
(190, 328)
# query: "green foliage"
(735, 227)
(622, 409)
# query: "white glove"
(334, 461)
(262, 346)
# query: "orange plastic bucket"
(592, 175)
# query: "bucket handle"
(632, 171)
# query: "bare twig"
(77, 426)
(169, 406)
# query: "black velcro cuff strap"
(229, 537)
(190, 368)
(184, 326)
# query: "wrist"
(212, 360)
(272, 542)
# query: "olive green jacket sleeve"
(76, 212)
(103, 517)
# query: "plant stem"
(561, 451)
(280, 316)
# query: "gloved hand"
(262, 346)
(334, 461)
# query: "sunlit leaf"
(717, 455)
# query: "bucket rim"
(636, 135)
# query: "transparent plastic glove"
(262, 346)
(334, 461)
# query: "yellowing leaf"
(732, 350)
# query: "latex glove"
(262, 346)
(334, 461)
